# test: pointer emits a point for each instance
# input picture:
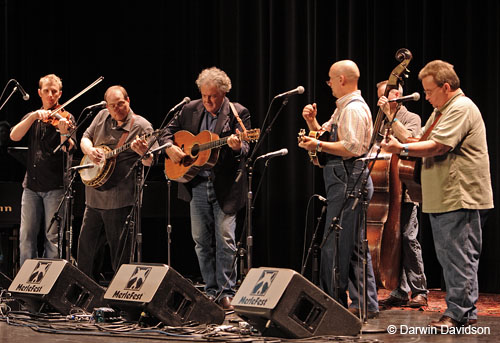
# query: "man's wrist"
(404, 150)
(319, 146)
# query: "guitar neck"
(216, 143)
(126, 146)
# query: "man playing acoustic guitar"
(217, 192)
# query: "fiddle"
(58, 113)
(54, 117)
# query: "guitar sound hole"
(195, 150)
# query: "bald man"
(350, 129)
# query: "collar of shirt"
(126, 125)
(341, 102)
(443, 108)
(209, 121)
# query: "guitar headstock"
(251, 135)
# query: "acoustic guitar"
(97, 175)
(316, 158)
(201, 151)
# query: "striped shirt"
(354, 120)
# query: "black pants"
(98, 228)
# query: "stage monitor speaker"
(163, 293)
(282, 303)
(57, 283)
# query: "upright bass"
(384, 209)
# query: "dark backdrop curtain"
(156, 50)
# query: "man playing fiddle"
(43, 183)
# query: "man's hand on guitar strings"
(308, 143)
(234, 141)
(175, 154)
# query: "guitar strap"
(429, 130)
(237, 117)
(125, 134)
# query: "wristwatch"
(319, 147)
(405, 150)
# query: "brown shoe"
(225, 303)
(418, 301)
(371, 314)
(392, 302)
(447, 322)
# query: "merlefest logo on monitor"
(132, 289)
(260, 289)
(35, 279)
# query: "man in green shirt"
(456, 186)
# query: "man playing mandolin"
(108, 205)
(215, 193)
(43, 182)
(350, 129)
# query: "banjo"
(96, 175)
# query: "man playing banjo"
(108, 205)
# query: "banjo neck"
(115, 152)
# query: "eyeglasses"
(118, 104)
(329, 82)
(429, 92)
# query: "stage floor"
(406, 323)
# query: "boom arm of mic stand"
(74, 130)
(10, 95)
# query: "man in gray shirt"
(108, 206)
(405, 124)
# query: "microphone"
(177, 107)
(298, 90)
(160, 148)
(269, 155)
(83, 166)
(99, 105)
(26, 96)
(321, 198)
(412, 97)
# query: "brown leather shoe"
(447, 322)
(371, 314)
(391, 302)
(418, 301)
(225, 303)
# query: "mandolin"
(316, 158)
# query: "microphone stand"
(10, 95)
(249, 167)
(138, 195)
(314, 248)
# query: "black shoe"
(392, 302)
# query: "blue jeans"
(34, 207)
(340, 178)
(214, 236)
(412, 274)
(457, 239)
